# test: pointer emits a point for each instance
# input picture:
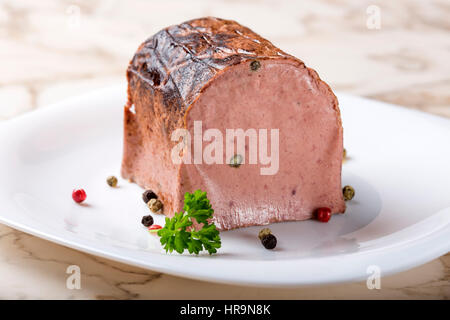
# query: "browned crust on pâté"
(172, 68)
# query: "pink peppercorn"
(154, 228)
(323, 214)
(79, 195)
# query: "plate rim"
(437, 250)
(435, 237)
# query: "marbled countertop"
(51, 50)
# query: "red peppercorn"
(323, 214)
(154, 228)
(79, 195)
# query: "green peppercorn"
(344, 154)
(111, 181)
(269, 241)
(236, 161)
(348, 192)
(155, 205)
(255, 65)
(263, 233)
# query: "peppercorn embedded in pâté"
(255, 65)
(236, 161)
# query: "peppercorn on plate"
(397, 216)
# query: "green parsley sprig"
(175, 234)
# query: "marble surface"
(51, 50)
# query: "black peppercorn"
(255, 65)
(149, 195)
(269, 241)
(147, 221)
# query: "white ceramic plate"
(399, 164)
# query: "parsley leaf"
(178, 233)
